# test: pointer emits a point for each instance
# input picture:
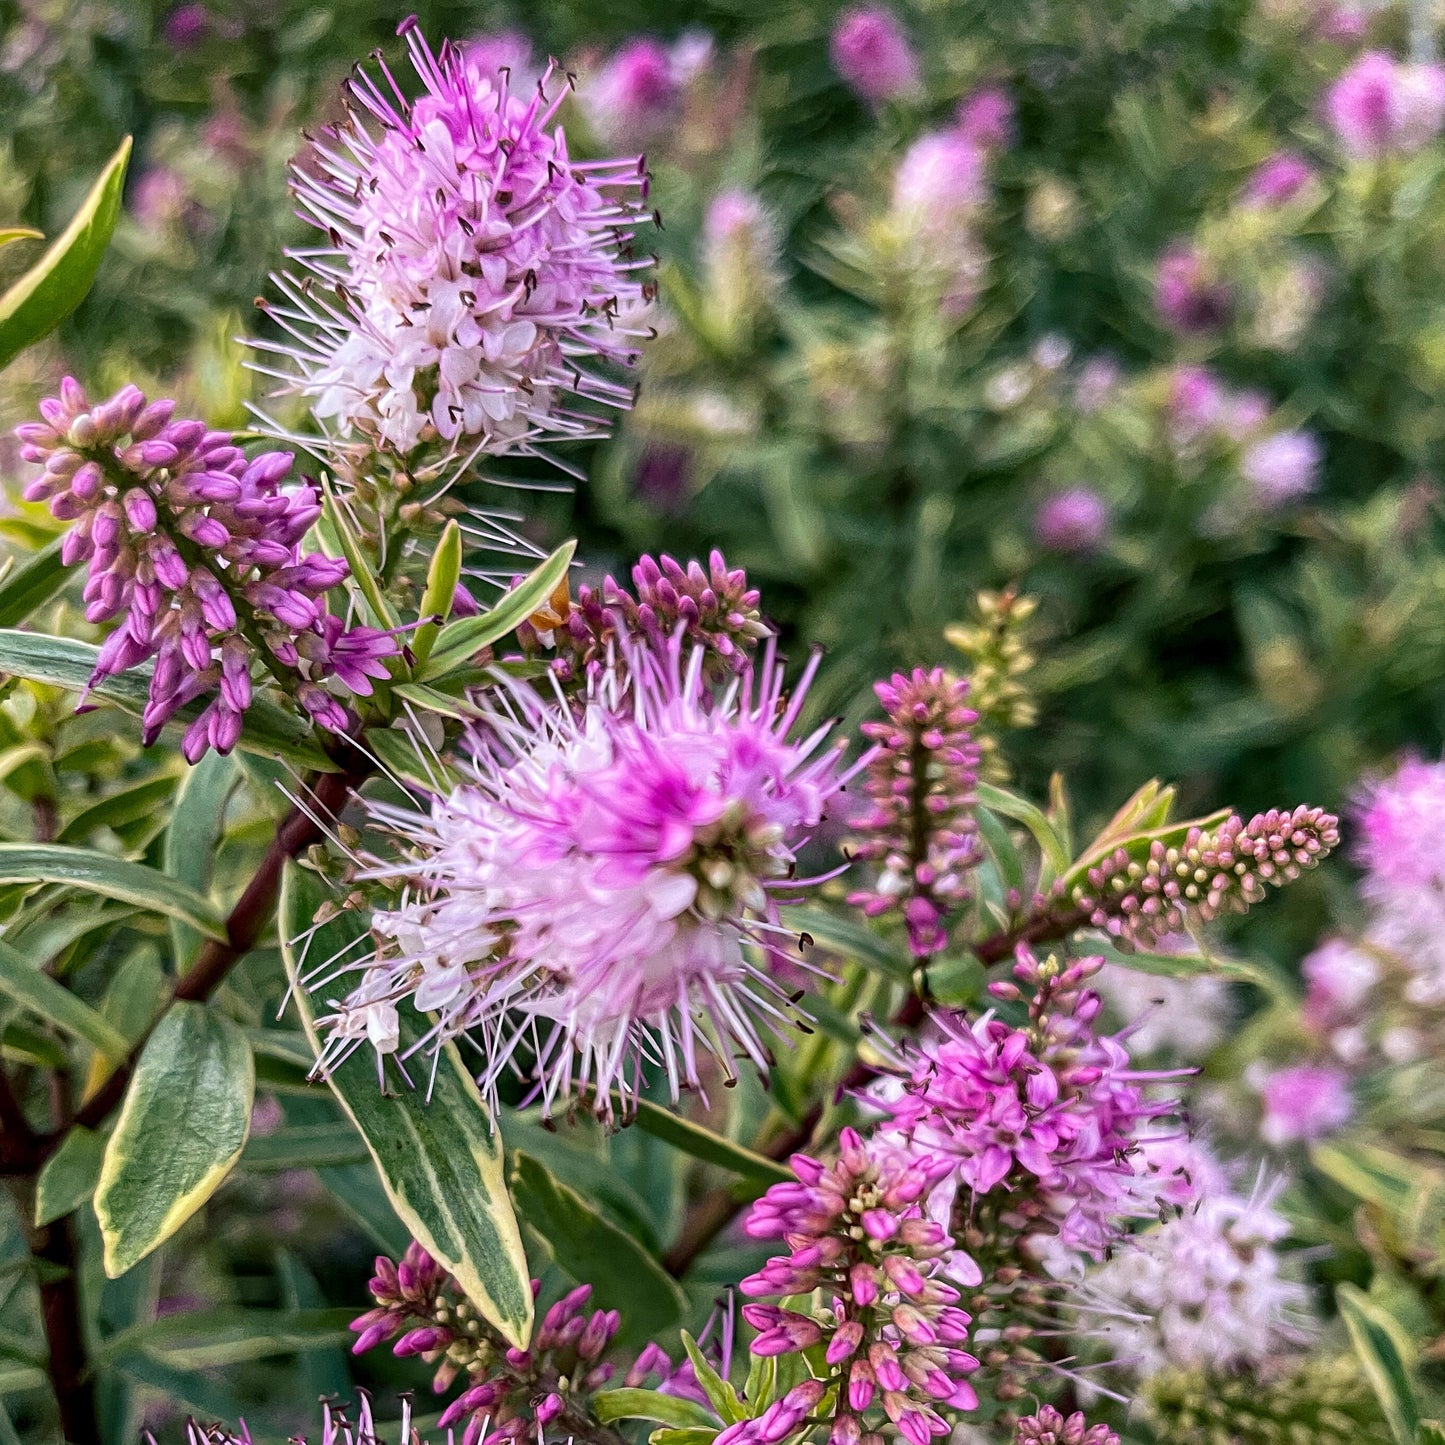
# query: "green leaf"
(1386, 1357)
(850, 939)
(1376, 1175)
(69, 1176)
(118, 810)
(32, 584)
(338, 535)
(441, 588)
(63, 662)
(1430, 1432)
(407, 760)
(111, 878)
(681, 1414)
(10, 234)
(197, 821)
(35, 990)
(439, 1159)
(720, 1394)
(56, 284)
(590, 1247)
(1055, 851)
(228, 1335)
(704, 1144)
(182, 1127)
(309, 1146)
(668, 1436)
(460, 641)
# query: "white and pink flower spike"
(601, 894)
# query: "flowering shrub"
(708, 1069)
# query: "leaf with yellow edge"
(184, 1122)
(439, 1159)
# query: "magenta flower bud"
(140, 510)
(548, 1409)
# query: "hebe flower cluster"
(509, 1394)
(1049, 1427)
(1204, 1290)
(712, 608)
(198, 550)
(1050, 1114)
(920, 827)
(891, 1330)
(474, 266)
(1210, 871)
(1187, 296)
(588, 898)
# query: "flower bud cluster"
(713, 608)
(1210, 871)
(511, 1394)
(1049, 1427)
(890, 1329)
(920, 827)
(198, 550)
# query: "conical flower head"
(602, 890)
(474, 271)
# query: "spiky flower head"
(1049, 1115)
(507, 1394)
(1142, 894)
(890, 1328)
(919, 826)
(1205, 1289)
(475, 271)
(198, 550)
(339, 1426)
(1049, 1427)
(602, 890)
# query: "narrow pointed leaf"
(112, 878)
(439, 1159)
(441, 589)
(460, 641)
(32, 584)
(56, 284)
(11, 234)
(625, 1404)
(1385, 1354)
(38, 993)
(184, 1122)
(704, 1144)
(590, 1247)
(194, 834)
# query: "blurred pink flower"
(1381, 105)
(1186, 296)
(1278, 180)
(871, 52)
(1074, 520)
(986, 117)
(1282, 468)
(1304, 1102)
